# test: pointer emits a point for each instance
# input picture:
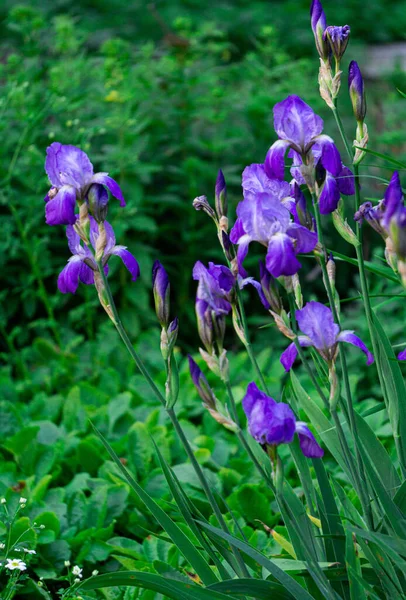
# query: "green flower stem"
(247, 343)
(171, 413)
(343, 363)
(341, 129)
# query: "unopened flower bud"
(331, 269)
(97, 200)
(201, 203)
(342, 226)
(202, 385)
(205, 325)
(270, 289)
(161, 290)
(357, 92)
(337, 38)
(303, 215)
(318, 22)
(221, 196)
(225, 242)
(297, 290)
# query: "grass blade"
(192, 555)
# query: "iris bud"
(318, 22)
(221, 196)
(161, 290)
(97, 201)
(337, 38)
(201, 203)
(270, 289)
(357, 92)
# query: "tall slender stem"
(247, 343)
(172, 415)
(344, 371)
(341, 129)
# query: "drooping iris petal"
(112, 185)
(307, 441)
(329, 195)
(289, 355)
(294, 120)
(345, 182)
(351, 338)
(330, 156)
(60, 210)
(128, 259)
(242, 251)
(306, 240)
(317, 322)
(253, 396)
(281, 258)
(68, 279)
(86, 274)
(242, 283)
(275, 159)
(237, 231)
(73, 240)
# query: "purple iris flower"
(264, 217)
(82, 264)
(300, 130)
(70, 173)
(273, 423)
(317, 324)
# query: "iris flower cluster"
(90, 237)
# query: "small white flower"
(3, 501)
(2, 546)
(77, 571)
(95, 572)
(17, 549)
(29, 551)
(67, 563)
(15, 563)
(77, 580)
(42, 526)
(22, 500)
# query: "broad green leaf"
(354, 569)
(254, 588)
(168, 587)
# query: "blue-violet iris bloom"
(215, 285)
(300, 130)
(70, 173)
(273, 423)
(316, 322)
(264, 217)
(82, 263)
